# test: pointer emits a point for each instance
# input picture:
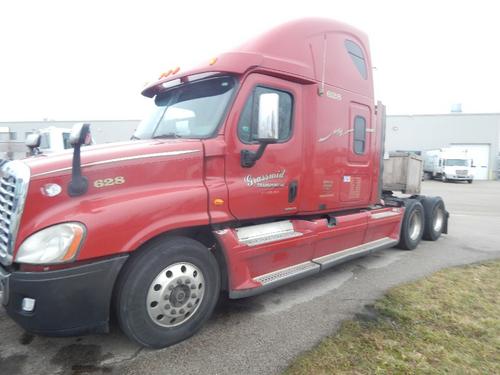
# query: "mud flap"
(445, 226)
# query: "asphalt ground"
(263, 334)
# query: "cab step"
(255, 235)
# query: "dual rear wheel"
(424, 218)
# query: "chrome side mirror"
(268, 123)
(80, 134)
(33, 140)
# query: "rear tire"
(167, 291)
(469, 181)
(435, 217)
(412, 227)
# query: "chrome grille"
(14, 180)
(461, 172)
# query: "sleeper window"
(357, 56)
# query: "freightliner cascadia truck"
(260, 168)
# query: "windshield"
(193, 110)
(456, 163)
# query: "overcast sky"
(88, 60)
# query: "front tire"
(469, 181)
(167, 292)
(412, 227)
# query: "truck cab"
(53, 139)
(258, 168)
(448, 165)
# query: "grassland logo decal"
(270, 180)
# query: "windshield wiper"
(167, 135)
(134, 137)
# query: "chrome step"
(354, 252)
(263, 233)
(288, 273)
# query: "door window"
(359, 135)
(66, 140)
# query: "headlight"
(57, 244)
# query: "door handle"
(292, 191)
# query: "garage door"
(480, 155)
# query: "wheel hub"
(175, 294)
(179, 296)
(415, 225)
(438, 220)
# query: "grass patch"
(447, 323)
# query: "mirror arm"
(34, 151)
(78, 184)
(248, 158)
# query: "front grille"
(14, 180)
(461, 172)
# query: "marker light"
(218, 201)
(165, 74)
(56, 244)
(212, 61)
(170, 72)
(51, 190)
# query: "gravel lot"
(261, 335)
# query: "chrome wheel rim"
(175, 294)
(438, 220)
(415, 225)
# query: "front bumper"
(459, 177)
(68, 302)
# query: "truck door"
(272, 186)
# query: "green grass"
(448, 323)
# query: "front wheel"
(412, 227)
(167, 291)
(469, 181)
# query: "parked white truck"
(50, 140)
(53, 139)
(448, 164)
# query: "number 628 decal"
(109, 182)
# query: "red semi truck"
(258, 169)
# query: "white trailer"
(448, 164)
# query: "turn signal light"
(218, 201)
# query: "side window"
(66, 140)
(247, 124)
(45, 140)
(357, 56)
(359, 135)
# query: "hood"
(112, 153)
(136, 189)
